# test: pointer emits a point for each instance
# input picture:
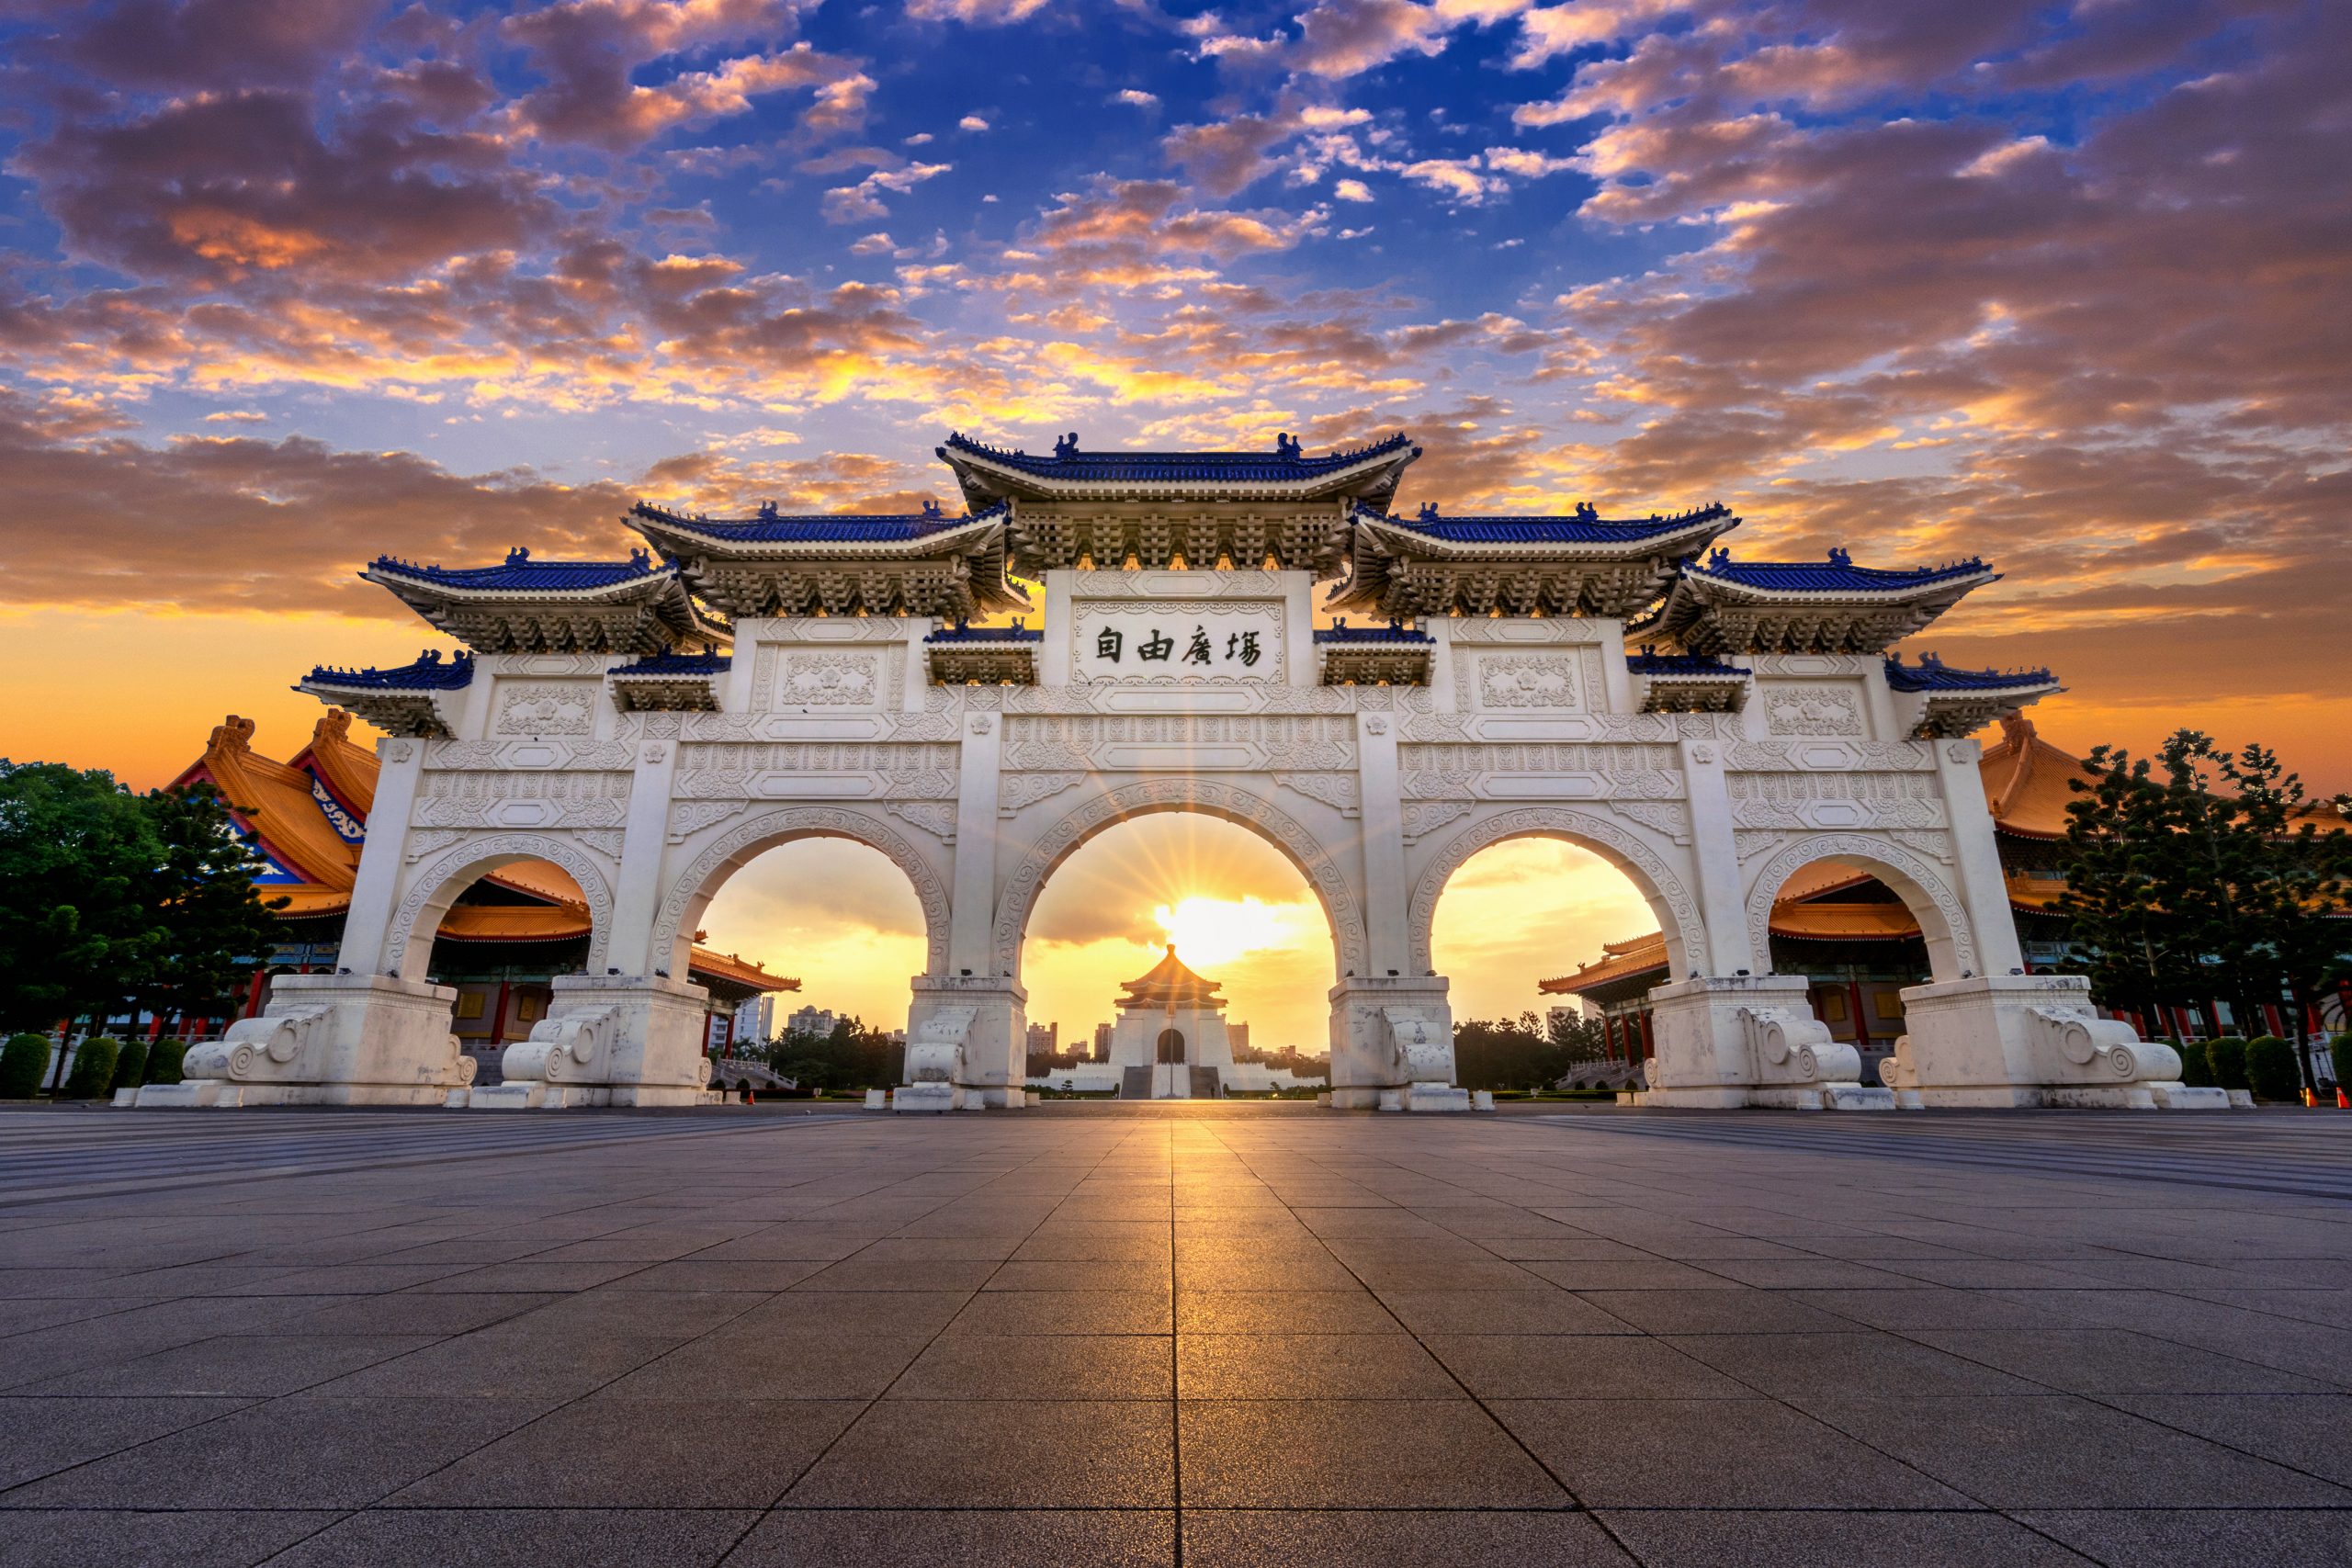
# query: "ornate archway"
(436, 884)
(1677, 911)
(1943, 919)
(703, 875)
(1341, 903)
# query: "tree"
(2200, 873)
(77, 851)
(1505, 1053)
(851, 1056)
(213, 929)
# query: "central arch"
(694, 888)
(1341, 907)
(1677, 913)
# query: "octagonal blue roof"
(1071, 464)
(1932, 674)
(1585, 526)
(1838, 574)
(520, 574)
(427, 674)
(771, 526)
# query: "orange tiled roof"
(2026, 782)
(272, 801)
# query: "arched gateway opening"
(1175, 938)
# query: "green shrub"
(2271, 1069)
(93, 1067)
(24, 1062)
(130, 1068)
(2195, 1070)
(164, 1060)
(2227, 1058)
(2340, 1051)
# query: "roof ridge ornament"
(1429, 512)
(1286, 445)
(768, 513)
(1588, 512)
(1840, 555)
(517, 556)
(1719, 558)
(931, 507)
(1066, 446)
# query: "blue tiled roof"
(1932, 674)
(1394, 631)
(1649, 663)
(846, 529)
(1838, 574)
(1068, 463)
(1016, 632)
(677, 665)
(520, 574)
(1586, 526)
(427, 674)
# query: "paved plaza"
(1212, 1335)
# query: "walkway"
(1214, 1338)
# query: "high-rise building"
(810, 1020)
(1237, 1035)
(1043, 1039)
(1102, 1032)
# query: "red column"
(1861, 1028)
(498, 1019)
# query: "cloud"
(862, 201)
(972, 122)
(1134, 97)
(975, 13)
(1352, 190)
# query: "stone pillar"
(1730, 1041)
(1714, 857)
(636, 892)
(1976, 858)
(376, 888)
(968, 1044)
(1388, 896)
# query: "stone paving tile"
(1356, 1311)
(2311, 1432)
(629, 1453)
(1723, 1454)
(101, 1538)
(44, 1436)
(2154, 1538)
(1505, 1366)
(1358, 1453)
(1397, 1539)
(1012, 1539)
(2102, 1361)
(2055, 1450)
(256, 1366)
(1740, 1310)
(1857, 1362)
(1041, 1366)
(1067, 1312)
(306, 1452)
(1706, 1538)
(523, 1538)
(978, 1453)
(1308, 1366)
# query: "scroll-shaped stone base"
(329, 1040)
(967, 1045)
(609, 1040)
(1751, 1040)
(2030, 1039)
(1394, 1034)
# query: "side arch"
(1677, 913)
(1341, 903)
(1925, 891)
(694, 888)
(436, 884)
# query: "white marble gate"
(1495, 697)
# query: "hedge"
(93, 1067)
(164, 1060)
(2195, 1070)
(2226, 1056)
(2340, 1051)
(24, 1062)
(130, 1068)
(2271, 1069)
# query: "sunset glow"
(290, 287)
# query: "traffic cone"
(2341, 1102)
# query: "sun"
(1217, 931)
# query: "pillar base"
(328, 1040)
(1724, 1042)
(608, 1039)
(1392, 1033)
(968, 1044)
(2016, 1041)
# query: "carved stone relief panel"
(523, 800)
(1810, 709)
(545, 707)
(1528, 681)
